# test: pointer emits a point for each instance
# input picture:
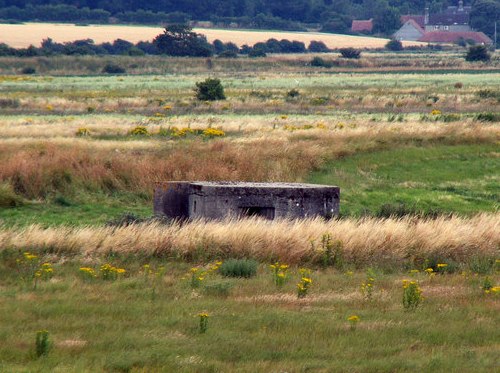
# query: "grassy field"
(21, 36)
(411, 140)
(144, 321)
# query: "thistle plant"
(203, 326)
(304, 284)
(279, 272)
(353, 321)
(42, 343)
(412, 295)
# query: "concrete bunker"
(218, 200)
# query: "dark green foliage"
(238, 268)
(180, 40)
(318, 47)
(29, 70)
(42, 343)
(293, 93)
(394, 45)
(477, 53)
(257, 52)
(111, 68)
(483, 15)
(320, 62)
(488, 117)
(210, 90)
(228, 54)
(350, 53)
(482, 265)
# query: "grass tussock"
(364, 242)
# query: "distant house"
(455, 36)
(448, 26)
(453, 18)
(411, 30)
(362, 25)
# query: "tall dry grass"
(367, 241)
(37, 168)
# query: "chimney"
(461, 6)
(426, 16)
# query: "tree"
(386, 21)
(180, 40)
(484, 14)
(477, 53)
(210, 90)
(318, 47)
(394, 45)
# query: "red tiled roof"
(362, 25)
(420, 20)
(451, 37)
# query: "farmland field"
(412, 140)
(21, 36)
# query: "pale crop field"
(21, 36)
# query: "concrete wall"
(269, 201)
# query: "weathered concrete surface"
(218, 200)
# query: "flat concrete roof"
(231, 184)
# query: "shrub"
(228, 54)
(42, 343)
(257, 52)
(293, 93)
(394, 45)
(238, 268)
(477, 53)
(111, 68)
(320, 62)
(28, 70)
(412, 295)
(210, 90)
(8, 197)
(213, 132)
(488, 117)
(350, 53)
(318, 47)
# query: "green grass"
(90, 210)
(462, 179)
(117, 326)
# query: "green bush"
(394, 45)
(111, 68)
(238, 268)
(350, 53)
(488, 117)
(29, 70)
(477, 53)
(210, 90)
(320, 62)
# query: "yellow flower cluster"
(139, 131)
(436, 112)
(304, 284)
(279, 273)
(82, 132)
(213, 132)
(87, 272)
(353, 318)
(109, 272)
